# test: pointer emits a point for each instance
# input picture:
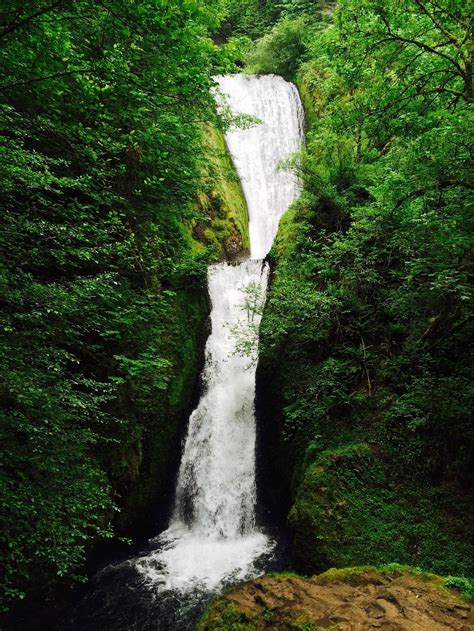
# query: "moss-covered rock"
(346, 508)
(223, 222)
(225, 616)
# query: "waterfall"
(213, 537)
(258, 152)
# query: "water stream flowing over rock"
(213, 538)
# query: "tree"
(101, 106)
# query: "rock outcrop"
(343, 600)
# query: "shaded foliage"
(370, 311)
(101, 290)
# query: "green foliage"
(461, 584)
(224, 615)
(284, 41)
(280, 51)
(245, 17)
(365, 332)
(252, 19)
(101, 154)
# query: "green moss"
(220, 202)
(370, 572)
(346, 574)
(346, 510)
(288, 231)
(224, 616)
(283, 574)
(307, 99)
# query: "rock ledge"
(343, 600)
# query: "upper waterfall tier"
(258, 152)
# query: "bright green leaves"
(154, 370)
(281, 50)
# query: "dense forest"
(111, 214)
(368, 321)
(117, 193)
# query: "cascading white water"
(258, 152)
(212, 537)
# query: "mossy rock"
(225, 616)
(346, 510)
(221, 203)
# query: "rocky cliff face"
(223, 221)
(143, 472)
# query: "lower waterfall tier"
(212, 535)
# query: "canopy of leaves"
(370, 311)
(101, 104)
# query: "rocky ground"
(342, 600)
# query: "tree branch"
(452, 38)
(425, 47)
(56, 75)
(445, 10)
(16, 24)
